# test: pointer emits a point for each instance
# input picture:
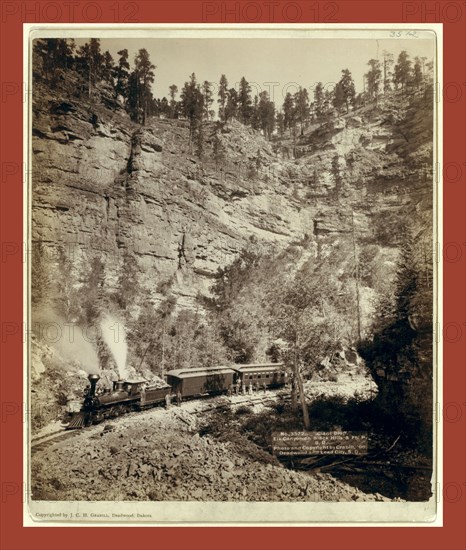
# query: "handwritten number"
(399, 34)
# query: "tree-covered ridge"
(133, 89)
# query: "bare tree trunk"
(144, 354)
(163, 351)
(294, 396)
(299, 383)
(306, 419)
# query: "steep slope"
(124, 216)
(102, 186)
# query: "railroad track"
(41, 443)
(198, 406)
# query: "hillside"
(142, 191)
(131, 221)
(167, 456)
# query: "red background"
(452, 408)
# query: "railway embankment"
(164, 455)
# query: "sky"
(277, 65)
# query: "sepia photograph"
(232, 287)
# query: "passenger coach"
(194, 382)
(269, 374)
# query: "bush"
(351, 415)
(279, 407)
(243, 410)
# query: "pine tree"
(145, 76)
(64, 52)
(132, 96)
(270, 119)
(192, 105)
(338, 97)
(173, 103)
(266, 112)
(289, 112)
(108, 68)
(164, 108)
(302, 107)
(328, 100)
(347, 87)
(406, 279)
(121, 74)
(255, 124)
(280, 124)
(244, 101)
(222, 97)
(403, 71)
(319, 100)
(92, 62)
(55, 54)
(208, 99)
(231, 108)
(373, 77)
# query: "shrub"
(243, 410)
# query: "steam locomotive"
(137, 395)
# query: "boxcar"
(194, 382)
(270, 374)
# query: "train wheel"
(88, 420)
(120, 410)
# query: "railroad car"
(195, 382)
(272, 375)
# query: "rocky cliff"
(104, 187)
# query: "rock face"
(104, 188)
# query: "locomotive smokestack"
(93, 379)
